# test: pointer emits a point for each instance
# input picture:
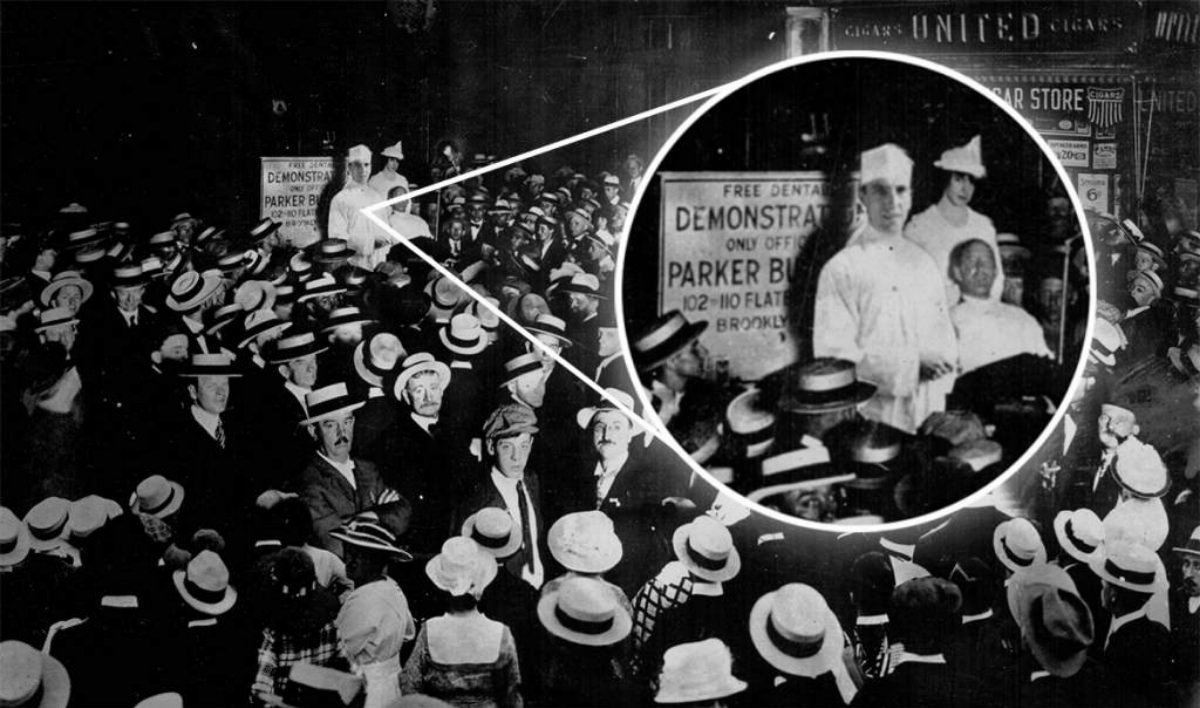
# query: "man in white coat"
(881, 303)
(346, 220)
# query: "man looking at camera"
(880, 303)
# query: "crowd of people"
(237, 472)
(929, 369)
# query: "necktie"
(220, 435)
(526, 530)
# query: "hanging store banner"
(980, 28)
(729, 242)
(291, 190)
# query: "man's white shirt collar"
(346, 469)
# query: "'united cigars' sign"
(728, 248)
(1093, 27)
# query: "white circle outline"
(1076, 379)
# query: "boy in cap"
(880, 303)
(509, 438)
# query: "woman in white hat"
(950, 221)
(463, 657)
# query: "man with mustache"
(1185, 614)
(881, 303)
(632, 484)
(335, 486)
(1117, 430)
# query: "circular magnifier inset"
(856, 289)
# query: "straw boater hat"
(376, 356)
(329, 401)
(1130, 566)
(55, 317)
(1192, 547)
(258, 323)
(583, 284)
(293, 347)
(1080, 533)
(152, 267)
(585, 415)
(967, 159)
(332, 250)
(1018, 545)
(221, 317)
(824, 385)
(205, 584)
(706, 549)
(233, 259)
(805, 468)
(15, 541)
(90, 514)
(1010, 245)
(462, 567)
(255, 295)
(210, 365)
(463, 335)
(128, 276)
(62, 280)
(1140, 470)
(749, 424)
(31, 678)
(1107, 340)
(663, 338)
(418, 363)
(697, 672)
(552, 326)
(796, 632)
(1149, 277)
(263, 229)
(367, 531)
(585, 542)
(493, 529)
(584, 611)
(161, 700)
(1055, 622)
(519, 366)
(157, 496)
(344, 316)
(190, 289)
(47, 523)
(321, 286)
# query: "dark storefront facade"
(1111, 86)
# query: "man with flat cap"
(881, 304)
(508, 484)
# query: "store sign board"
(1104, 156)
(290, 189)
(1071, 153)
(1002, 28)
(728, 248)
(1077, 109)
(1093, 192)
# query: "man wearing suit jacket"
(635, 485)
(508, 436)
(335, 486)
(115, 340)
(1135, 655)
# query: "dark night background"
(759, 127)
(142, 110)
